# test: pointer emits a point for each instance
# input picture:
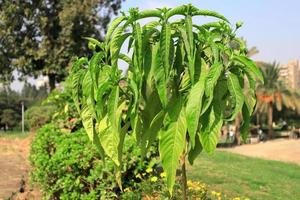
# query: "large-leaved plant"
(183, 81)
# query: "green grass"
(13, 134)
(242, 176)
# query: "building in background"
(290, 74)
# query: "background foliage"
(40, 37)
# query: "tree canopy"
(39, 37)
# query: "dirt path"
(280, 149)
(14, 167)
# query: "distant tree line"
(10, 104)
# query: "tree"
(9, 108)
(183, 81)
(273, 93)
(9, 118)
(40, 37)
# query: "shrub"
(66, 166)
(10, 118)
(37, 116)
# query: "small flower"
(138, 176)
(127, 190)
(153, 179)
(149, 170)
(163, 174)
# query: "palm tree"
(274, 94)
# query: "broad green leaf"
(244, 130)
(210, 14)
(76, 87)
(115, 45)
(251, 65)
(112, 27)
(190, 34)
(171, 146)
(195, 151)
(149, 13)
(109, 140)
(138, 45)
(113, 106)
(211, 126)
(212, 78)
(194, 104)
(154, 128)
(95, 42)
(179, 10)
(88, 121)
(94, 67)
(159, 75)
(237, 94)
(165, 43)
(125, 58)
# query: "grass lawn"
(242, 176)
(13, 134)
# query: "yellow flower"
(149, 170)
(138, 176)
(153, 179)
(127, 190)
(163, 174)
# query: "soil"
(287, 150)
(14, 169)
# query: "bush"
(66, 166)
(37, 116)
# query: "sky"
(273, 26)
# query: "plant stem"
(183, 178)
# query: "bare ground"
(287, 150)
(14, 168)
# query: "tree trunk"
(270, 120)
(237, 140)
(184, 178)
(51, 78)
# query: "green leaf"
(212, 78)
(94, 42)
(115, 45)
(210, 14)
(112, 27)
(76, 87)
(179, 10)
(236, 92)
(87, 121)
(251, 66)
(109, 140)
(171, 146)
(165, 44)
(244, 130)
(159, 75)
(195, 151)
(149, 13)
(194, 104)
(113, 106)
(211, 125)
(154, 128)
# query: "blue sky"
(273, 26)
